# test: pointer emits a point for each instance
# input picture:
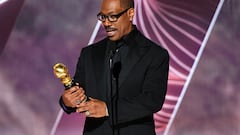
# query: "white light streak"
(3, 1)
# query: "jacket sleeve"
(79, 73)
(65, 108)
(152, 95)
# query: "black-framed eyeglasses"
(111, 18)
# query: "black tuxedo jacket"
(142, 85)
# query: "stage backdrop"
(47, 32)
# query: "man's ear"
(131, 13)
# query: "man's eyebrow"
(110, 13)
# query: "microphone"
(115, 67)
(115, 63)
(111, 55)
(113, 51)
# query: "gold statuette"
(61, 71)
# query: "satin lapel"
(136, 52)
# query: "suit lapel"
(137, 49)
(99, 59)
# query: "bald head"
(127, 3)
(123, 11)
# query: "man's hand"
(93, 108)
(73, 96)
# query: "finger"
(71, 90)
(77, 93)
(82, 109)
(80, 96)
(74, 89)
(82, 104)
(92, 99)
(87, 114)
(74, 102)
(74, 97)
(92, 113)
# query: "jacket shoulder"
(156, 47)
(97, 44)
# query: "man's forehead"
(110, 6)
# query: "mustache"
(110, 29)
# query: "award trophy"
(61, 72)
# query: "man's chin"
(112, 38)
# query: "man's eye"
(103, 16)
(112, 17)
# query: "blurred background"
(211, 103)
(34, 35)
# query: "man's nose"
(107, 23)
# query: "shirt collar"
(130, 35)
(125, 39)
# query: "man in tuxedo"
(124, 77)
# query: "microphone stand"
(114, 103)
